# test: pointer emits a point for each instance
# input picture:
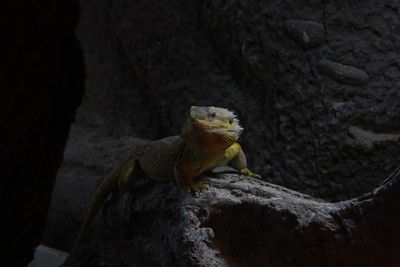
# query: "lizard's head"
(216, 120)
(217, 128)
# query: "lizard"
(208, 139)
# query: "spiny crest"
(223, 112)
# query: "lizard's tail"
(102, 191)
(122, 177)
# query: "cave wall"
(41, 81)
(314, 82)
(327, 76)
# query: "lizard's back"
(160, 156)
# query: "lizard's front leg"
(238, 160)
(185, 172)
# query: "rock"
(153, 59)
(343, 73)
(369, 137)
(242, 221)
(308, 34)
(48, 257)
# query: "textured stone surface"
(241, 221)
(343, 73)
(297, 125)
(149, 61)
(308, 34)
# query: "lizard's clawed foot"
(247, 172)
(194, 187)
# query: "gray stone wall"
(315, 83)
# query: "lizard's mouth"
(231, 132)
(234, 132)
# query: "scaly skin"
(208, 140)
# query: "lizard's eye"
(212, 115)
(230, 121)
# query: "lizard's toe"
(200, 186)
(250, 173)
(194, 187)
(256, 175)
